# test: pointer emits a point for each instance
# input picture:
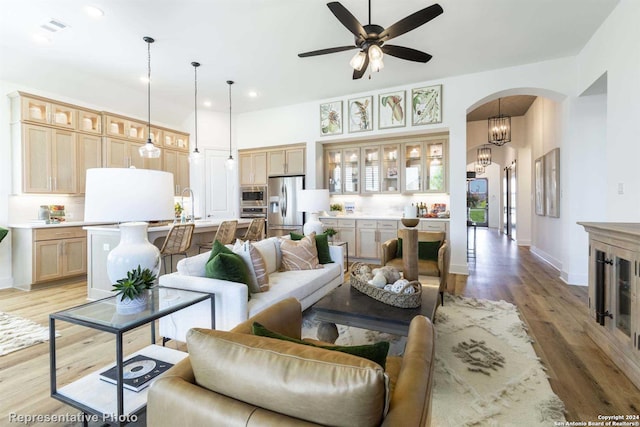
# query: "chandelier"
(484, 156)
(499, 128)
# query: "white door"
(220, 186)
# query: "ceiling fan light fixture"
(376, 65)
(358, 60)
(375, 53)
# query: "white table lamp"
(130, 197)
(313, 202)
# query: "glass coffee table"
(348, 306)
(102, 399)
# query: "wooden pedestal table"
(410, 254)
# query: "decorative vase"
(130, 306)
(133, 250)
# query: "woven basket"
(401, 299)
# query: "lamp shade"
(123, 195)
(313, 201)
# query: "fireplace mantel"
(614, 300)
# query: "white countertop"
(60, 224)
(167, 226)
(380, 217)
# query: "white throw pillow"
(194, 265)
(269, 249)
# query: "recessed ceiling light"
(253, 94)
(207, 103)
(93, 11)
(41, 39)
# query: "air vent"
(54, 25)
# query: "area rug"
(17, 333)
(486, 372)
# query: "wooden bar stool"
(226, 234)
(177, 242)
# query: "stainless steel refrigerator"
(282, 212)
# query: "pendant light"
(230, 160)
(479, 169)
(195, 156)
(149, 150)
(484, 156)
(499, 128)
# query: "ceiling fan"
(371, 38)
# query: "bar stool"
(226, 234)
(255, 230)
(177, 242)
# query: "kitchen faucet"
(192, 217)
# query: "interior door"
(220, 190)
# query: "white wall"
(299, 123)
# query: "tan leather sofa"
(439, 268)
(238, 379)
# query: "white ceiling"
(256, 42)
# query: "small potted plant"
(334, 208)
(131, 291)
(330, 232)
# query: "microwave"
(253, 196)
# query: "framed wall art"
(361, 114)
(391, 110)
(426, 105)
(539, 186)
(552, 183)
(331, 118)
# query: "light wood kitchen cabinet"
(253, 168)
(346, 232)
(288, 161)
(121, 153)
(49, 160)
(59, 253)
(371, 234)
(380, 165)
(125, 128)
(43, 111)
(176, 140)
(48, 254)
(177, 163)
(89, 156)
(89, 121)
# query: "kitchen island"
(102, 239)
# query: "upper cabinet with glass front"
(43, 111)
(408, 165)
(425, 166)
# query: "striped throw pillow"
(300, 254)
(260, 268)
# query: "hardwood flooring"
(582, 376)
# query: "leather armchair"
(439, 268)
(177, 398)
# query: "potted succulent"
(131, 291)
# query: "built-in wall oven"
(253, 201)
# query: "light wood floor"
(582, 376)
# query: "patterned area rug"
(17, 333)
(486, 372)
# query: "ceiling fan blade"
(326, 51)
(347, 19)
(412, 21)
(406, 53)
(358, 74)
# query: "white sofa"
(231, 299)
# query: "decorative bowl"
(410, 222)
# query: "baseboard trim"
(462, 269)
(6, 282)
(555, 263)
(574, 279)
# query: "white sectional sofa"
(231, 299)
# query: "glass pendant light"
(230, 160)
(149, 150)
(358, 60)
(195, 156)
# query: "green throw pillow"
(219, 248)
(428, 250)
(399, 248)
(375, 352)
(322, 246)
(229, 267)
